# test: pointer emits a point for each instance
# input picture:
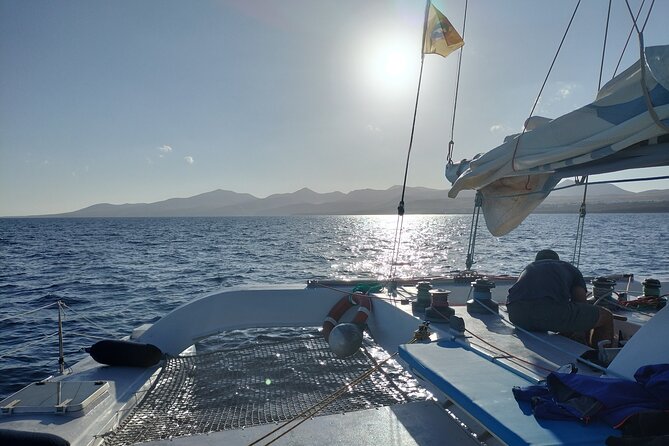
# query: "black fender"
(23, 438)
(125, 353)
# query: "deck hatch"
(62, 397)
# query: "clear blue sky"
(137, 101)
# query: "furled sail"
(626, 127)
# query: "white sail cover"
(619, 130)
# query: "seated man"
(550, 295)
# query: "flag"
(440, 36)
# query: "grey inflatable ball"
(345, 339)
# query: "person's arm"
(579, 294)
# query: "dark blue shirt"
(552, 279)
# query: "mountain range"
(418, 200)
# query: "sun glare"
(392, 65)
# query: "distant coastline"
(604, 198)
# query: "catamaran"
(450, 335)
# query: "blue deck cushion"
(484, 390)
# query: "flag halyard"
(440, 36)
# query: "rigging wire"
(580, 227)
(536, 101)
(629, 36)
(642, 62)
(451, 143)
(396, 247)
(650, 10)
(473, 229)
(20, 315)
(635, 19)
(606, 34)
(400, 206)
(626, 180)
(576, 257)
(27, 344)
(88, 320)
(449, 157)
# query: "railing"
(33, 343)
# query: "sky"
(132, 101)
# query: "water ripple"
(120, 273)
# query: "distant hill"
(418, 200)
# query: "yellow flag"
(440, 36)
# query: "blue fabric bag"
(613, 400)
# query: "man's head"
(547, 254)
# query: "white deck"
(488, 338)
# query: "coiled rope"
(640, 302)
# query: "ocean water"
(116, 274)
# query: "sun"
(392, 65)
